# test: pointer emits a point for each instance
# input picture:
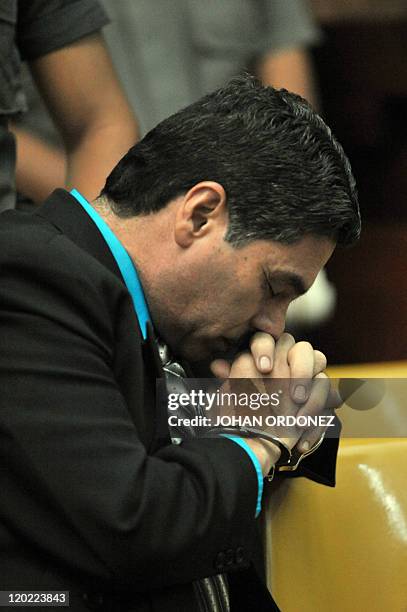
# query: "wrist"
(266, 452)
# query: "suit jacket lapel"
(65, 213)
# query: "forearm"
(291, 69)
(93, 116)
(91, 158)
(40, 167)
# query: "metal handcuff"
(289, 459)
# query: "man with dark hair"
(271, 152)
(204, 233)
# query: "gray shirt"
(168, 53)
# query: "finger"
(244, 367)
(318, 398)
(320, 362)
(281, 369)
(316, 405)
(301, 360)
(310, 437)
(242, 374)
(220, 368)
(262, 348)
(334, 399)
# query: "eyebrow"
(291, 279)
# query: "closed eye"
(287, 286)
(281, 294)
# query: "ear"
(200, 211)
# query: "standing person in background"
(60, 40)
(168, 54)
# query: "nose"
(271, 321)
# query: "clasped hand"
(309, 391)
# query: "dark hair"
(284, 173)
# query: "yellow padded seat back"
(342, 549)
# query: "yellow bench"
(343, 549)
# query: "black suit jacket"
(94, 497)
